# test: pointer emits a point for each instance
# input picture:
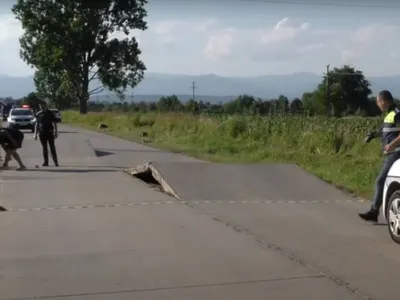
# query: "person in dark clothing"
(390, 137)
(10, 140)
(46, 128)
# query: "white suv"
(21, 118)
(391, 201)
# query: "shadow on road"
(61, 131)
(72, 170)
(100, 153)
(380, 224)
(131, 150)
(100, 167)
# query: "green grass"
(333, 149)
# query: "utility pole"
(132, 97)
(194, 90)
(327, 83)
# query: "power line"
(319, 4)
(329, 4)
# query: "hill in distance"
(209, 88)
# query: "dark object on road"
(370, 216)
(369, 137)
(10, 140)
(102, 126)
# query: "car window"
(21, 112)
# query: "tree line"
(344, 92)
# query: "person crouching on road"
(10, 140)
(390, 136)
(46, 127)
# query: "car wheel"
(393, 216)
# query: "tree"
(32, 100)
(56, 87)
(75, 38)
(283, 104)
(170, 103)
(314, 103)
(241, 104)
(348, 91)
(192, 106)
(296, 106)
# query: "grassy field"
(333, 149)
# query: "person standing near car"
(46, 128)
(390, 137)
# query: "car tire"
(393, 216)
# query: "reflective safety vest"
(390, 131)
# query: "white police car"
(391, 201)
(21, 118)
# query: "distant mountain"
(209, 87)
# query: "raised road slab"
(195, 181)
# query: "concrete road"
(87, 230)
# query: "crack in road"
(287, 253)
(170, 288)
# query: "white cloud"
(212, 46)
(220, 44)
(10, 62)
(348, 56)
(168, 31)
(10, 28)
(302, 44)
(285, 40)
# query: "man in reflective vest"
(390, 137)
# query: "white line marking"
(187, 202)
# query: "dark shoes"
(47, 164)
(370, 216)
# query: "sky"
(252, 37)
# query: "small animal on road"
(102, 127)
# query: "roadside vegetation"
(331, 148)
(323, 132)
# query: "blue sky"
(246, 38)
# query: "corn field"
(292, 133)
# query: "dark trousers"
(380, 180)
(47, 137)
